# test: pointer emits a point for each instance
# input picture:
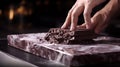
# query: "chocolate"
(65, 36)
(69, 55)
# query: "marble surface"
(25, 56)
(103, 49)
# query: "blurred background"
(30, 16)
(33, 16)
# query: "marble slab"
(104, 49)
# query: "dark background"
(40, 16)
(45, 14)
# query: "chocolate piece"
(65, 36)
(69, 55)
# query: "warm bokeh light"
(0, 12)
(11, 13)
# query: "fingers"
(87, 16)
(67, 21)
(74, 16)
(89, 5)
(99, 22)
(83, 26)
(77, 9)
(95, 20)
(102, 23)
(68, 18)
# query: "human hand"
(98, 22)
(80, 6)
(101, 19)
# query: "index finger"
(87, 16)
(68, 18)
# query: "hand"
(98, 22)
(101, 19)
(80, 6)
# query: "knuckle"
(70, 11)
(74, 14)
(85, 14)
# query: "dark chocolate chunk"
(65, 36)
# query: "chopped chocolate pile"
(65, 36)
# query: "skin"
(98, 22)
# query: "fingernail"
(62, 27)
